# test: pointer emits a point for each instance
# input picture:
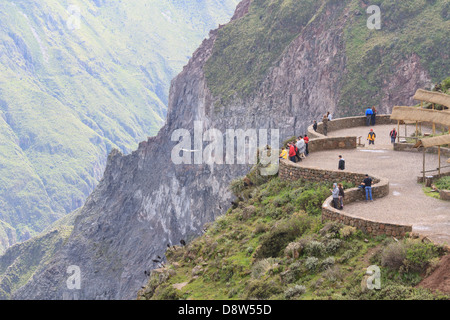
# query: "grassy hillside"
(246, 49)
(408, 27)
(68, 96)
(273, 245)
(22, 260)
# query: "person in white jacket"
(335, 194)
(301, 145)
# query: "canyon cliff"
(145, 202)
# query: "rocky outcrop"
(145, 201)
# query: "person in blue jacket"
(369, 113)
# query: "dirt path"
(406, 202)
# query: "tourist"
(371, 137)
(335, 194)
(306, 142)
(284, 154)
(315, 126)
(369, 113)
(368, 187)
(292, 152)
(341, 195)
(341, 165)
(373, 116)
(329, 116)
(325, 125)
(301, 145)
(393, 135)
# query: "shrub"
(400, 292)
(443, 183)
(261, 267)
(273, 243)
(393, 255)
(333, 246)
(293, 250)
(311, 200)
(167, 292)
(258, 289)
(315, 249)
(347, 231)
(294, 291)
(331, 229)
(327, 263)
(333, 274)
(312, 263)
(418, 255)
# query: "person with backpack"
(371, 137)
(369, 113)
(393, 135)
(341, 165)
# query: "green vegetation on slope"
(67, 97)
(21, 261)
(273, 245)
(417, 27)
(246, 49)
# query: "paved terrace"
(406, 203)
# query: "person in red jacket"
(292, 152)
(393, 135)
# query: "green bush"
(327, 263)
(315, 249)
(333, 245)
(393, 255)
(311, 200)
(167, 292)
(294, 291)
(419, 255)
(273, 243)
(443, 183)
(259, 289)
(333, 274)
(237, 186)
(400, 292)
(312, 263)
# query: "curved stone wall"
(344, 123)
(293, 171)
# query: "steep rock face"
(145, 201)
(76, 81)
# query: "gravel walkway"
(406, 203)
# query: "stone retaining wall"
(374, 228)
(332, 143)
(293, 171)
(344, 123)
